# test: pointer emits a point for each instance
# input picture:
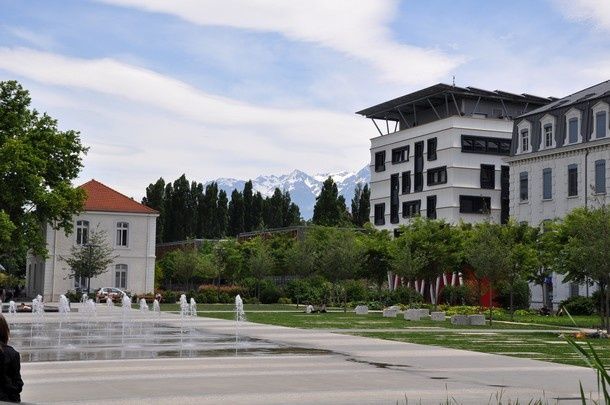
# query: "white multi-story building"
(131, 231)
(440, 154)
(559, 161)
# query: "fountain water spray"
(64, 312)
(240, 316)
(109, 303)
(184, 306)
(156, 308)
(84, 298)
(143, 306)
(193, 307)
(12, 307)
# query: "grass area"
(231, 307)
(349, 320)
(538, 346)
(582, 321)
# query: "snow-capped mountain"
(303, 188)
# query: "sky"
(241, 88)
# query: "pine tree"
(248, 201)
(361, 205)
(221, 215)
(236, 214)
(330, 207)
(155, 198)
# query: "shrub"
(578, 305)
(406, 296)
(73, 296)
(284, 300)
(269, 293)
(521, 295)
(355, 290)
(458, 295)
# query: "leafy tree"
(329, 209)
(405, 261)
(584, 237)
(91, 259)
(361, 205)
(37, 165)
(259, 261)
(377, 257)
(438, 246)
(191, 266)
(487, 252)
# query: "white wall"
(463, 169)
(139, 255)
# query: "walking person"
(11, 383)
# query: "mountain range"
(303, 188)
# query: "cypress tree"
(330, 206)
(236, 214)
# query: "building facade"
(439, 154)
(130, 228)
(559, 160)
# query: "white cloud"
(142, 125)
(595, 11)
(357, 29)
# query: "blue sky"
(240, 88)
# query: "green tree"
(377, 256)
(405, 261)
(190, 267)
(329, 209)
(37, 165)
(249, 222)
(155, 196)
(438, 246)
(361, 205)
(91, 259)
(236, 214)
(584, 255)
(222, 215)
(259, 261)
(487, 252)
(273, 208)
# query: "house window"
(431, 206)
(572, 180)
(82, 232)
(411, 208)
(601, 126)
(379, 214)
(432, 149)
(573, 130)
(523, 196)
(406, 182)
(471, 204)
(380, 161)
(525, 140)
(548, 136)
(488, 176)
(547, 184)
(600, 176)
(122, 234)
(394, 198)
(489, 146)
(437, 175)
(400, 155)
(120, 276)
(419, 166)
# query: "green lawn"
(582, 321)
(539, 346)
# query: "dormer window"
(573, 126)
(524, 129)
(525, 140)
(547, 124)
(600, 111)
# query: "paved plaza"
(342, 369)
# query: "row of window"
(573, 120)
(485, 145)
(120, 278)
(438, 175)
(401, 155)
(469, 204)
(122, 233)
(547, 181)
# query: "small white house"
(130, 228)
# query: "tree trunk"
(88, 286)
(512, 309)
(490, 304)
(607, 305)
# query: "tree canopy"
(38, 163)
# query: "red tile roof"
(102, 198)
